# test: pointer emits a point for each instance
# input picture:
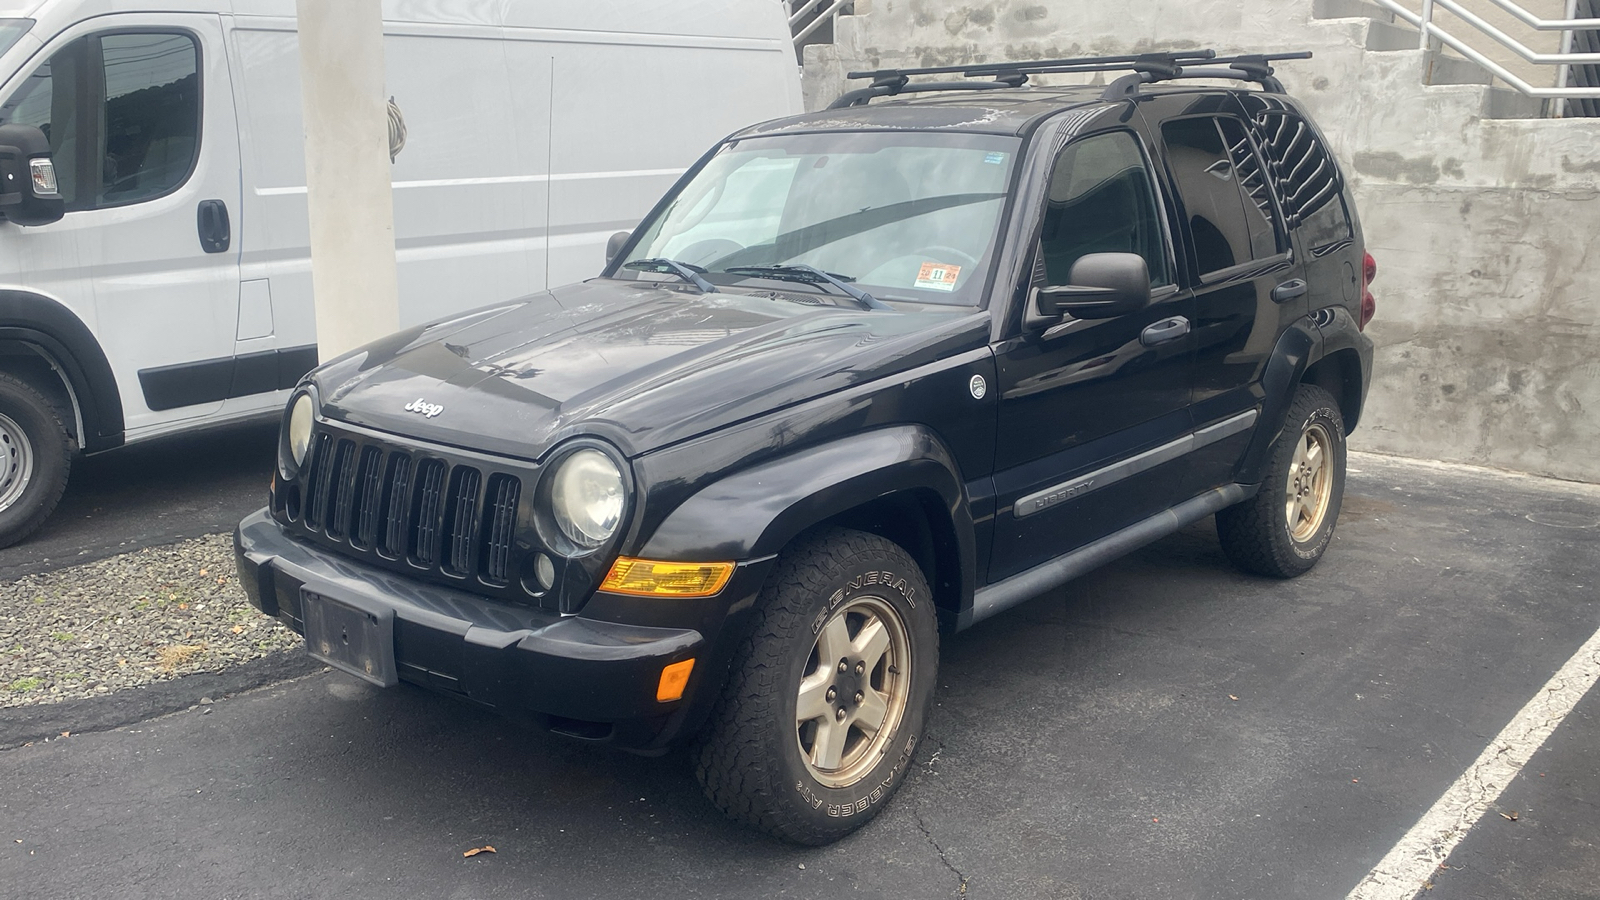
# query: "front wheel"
(826, 700)
(35, 457)
(1283, 530)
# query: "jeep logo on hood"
(424, 408)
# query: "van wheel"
(826, 699)
(35, 457)
(1283, 530)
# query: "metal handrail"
(1516, 46)
(799, 9)
(1538, 24)
(1431, 31)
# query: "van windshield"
(11, 31)
(909, 217)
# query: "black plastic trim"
(1039, 501)
(1298, 347)
(1028, 584)
(226, 378)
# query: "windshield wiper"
(809, 275)
(687, 271)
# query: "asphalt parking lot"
(1163, 728)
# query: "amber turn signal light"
(674, 679)
(651, 578)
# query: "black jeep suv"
(861, 377)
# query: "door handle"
(1294, 287)
(1164, 330)
(212, 219)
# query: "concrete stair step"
(1505, 103)
(1441, 69)
(1349, 9)
(1389, 36)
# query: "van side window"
(1231, 218)
(122, 113)
(1307, 179)
(1102, 200)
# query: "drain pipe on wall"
(348, 186)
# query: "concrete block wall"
(1486, 230)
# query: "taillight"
(1369, 306)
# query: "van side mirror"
(29, 194)
(615, 245)
(1104, 285)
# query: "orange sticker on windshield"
(938, 276)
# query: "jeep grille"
(430, 512)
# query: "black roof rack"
(1143, 68)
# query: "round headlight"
(299, 436)
(586, 497)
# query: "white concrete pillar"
(351, 203)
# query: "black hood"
(640, 365)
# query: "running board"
(1003, 595)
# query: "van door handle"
(1294, 287)
(212, 218)
(1164, 330)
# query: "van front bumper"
(581, 676)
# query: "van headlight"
(587, 496)
(297, 434)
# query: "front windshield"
(903, 216)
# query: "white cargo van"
(175, 290)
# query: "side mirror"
(29, 194)
(615, 244)
(1104, 285)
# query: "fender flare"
(755, 512)
(1341, 334)
(1297, 348)
(65, 340)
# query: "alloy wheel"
(1310, 483)
(854, 691)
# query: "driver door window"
(1102, 200)
(122, 113)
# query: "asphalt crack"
(961, 880)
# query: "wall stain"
(1580, 168)
(1391, 166)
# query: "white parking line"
(1409, 866)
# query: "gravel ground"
(134, 619)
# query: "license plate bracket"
(351, 634)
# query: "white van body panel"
(533, 132)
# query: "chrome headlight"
(587, 496)
(297, 434)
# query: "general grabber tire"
(35, 457)
(827, 697)
(1283, 530)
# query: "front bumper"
(582, 676)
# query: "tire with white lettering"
(35, 458)
(1283, 530)
(826, 700)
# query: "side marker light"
(674, 679)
